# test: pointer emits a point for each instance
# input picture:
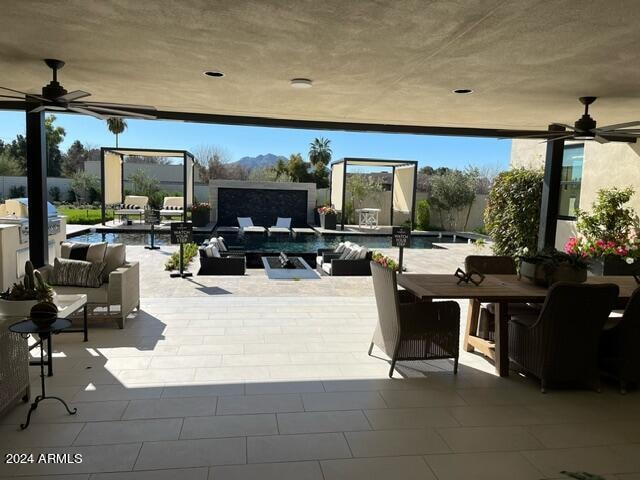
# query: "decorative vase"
(17, 308)
(612, 265)
(328, 221)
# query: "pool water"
(300, 243)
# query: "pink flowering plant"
(326, 210)
(610, 229)
(385, 261)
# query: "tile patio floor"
(249, 378)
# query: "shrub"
(451, 192)
(54, 193)
(423, 215)
(17, 191)
(610, 220)
(190, 251)
(512, 216)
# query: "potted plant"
(607, 236)
(200, 214)
(328, 217)
(21, 297)
(550, 266)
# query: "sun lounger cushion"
(279, 230)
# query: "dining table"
(501, 290)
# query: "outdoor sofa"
(132, 205)
(337, 262)
(216, 259)
(120, 286)
(172, 207)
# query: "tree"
(320, 156)
(512, 216)
(148, 160)
(360, 188)
(297, 169)
(54, 136)
(450, 193)
(280, 170)
(82, 185)
(116, 125)
(8, 165)
(216, 162)
(73, 160)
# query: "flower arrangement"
(628, 251)
(385, 261)
(200, 207)
(326, 210)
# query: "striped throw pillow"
(77, 273)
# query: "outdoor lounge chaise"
(172, 207)
(246, 226)
(619, 353)
(560, 346)
(409, 329)
(282, 226)
(133, 205)
(336, 262)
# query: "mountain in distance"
(261, 161)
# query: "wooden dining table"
(501, 290)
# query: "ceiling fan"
(55, 97)
(585, 128)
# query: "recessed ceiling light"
(301, 83)
(463, 91)
(213, 73)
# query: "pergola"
(403, 185)
(112, 173)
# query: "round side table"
(26, 328)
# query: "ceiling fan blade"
(27, 95)
(557, 138)
(600, 139)
(120, 105)
(570, 127)
(42, 108)
(121, 113)
(9, 96)
(618, 126)
(73, 96)
(85, 111)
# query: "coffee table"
(275, 272)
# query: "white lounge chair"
(247, 226)
(133, 205)
(283, 225)
(172, 207)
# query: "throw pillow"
(363, 253)
(354, 254)
(89, 252)
(77, 273)
(339, 248)
(114, 257)
(212, 251)
(221, 245)
(350, 251)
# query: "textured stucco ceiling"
(378, 61)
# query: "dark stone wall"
(264, 206)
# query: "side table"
(26, 328)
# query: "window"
(571, 180)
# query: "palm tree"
(116, 125)
(319, 151)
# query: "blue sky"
(452, 152)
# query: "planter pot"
(200, 218)
(612, 265)
(17, 308)
(539, 275)
(328, 221)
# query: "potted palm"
(22, 296)
(607, 236)
(328, 217)
(200, 213)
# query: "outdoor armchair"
(560, 346)
(413, 330)
(619, 345)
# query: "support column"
(551, 192)
(37, 188)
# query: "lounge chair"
(246, 226)
(133, 205)
(560, 346)
(409, 329)
(172, 207)
(282, 226)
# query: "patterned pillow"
(350, 252)
(339, 248)
(89, 252)
(77, 273)
(130, 206)
(173, 207)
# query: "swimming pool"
(263, 243)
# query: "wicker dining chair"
(413, 330)
(483, 324)
(619, 352)
(560, 346)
